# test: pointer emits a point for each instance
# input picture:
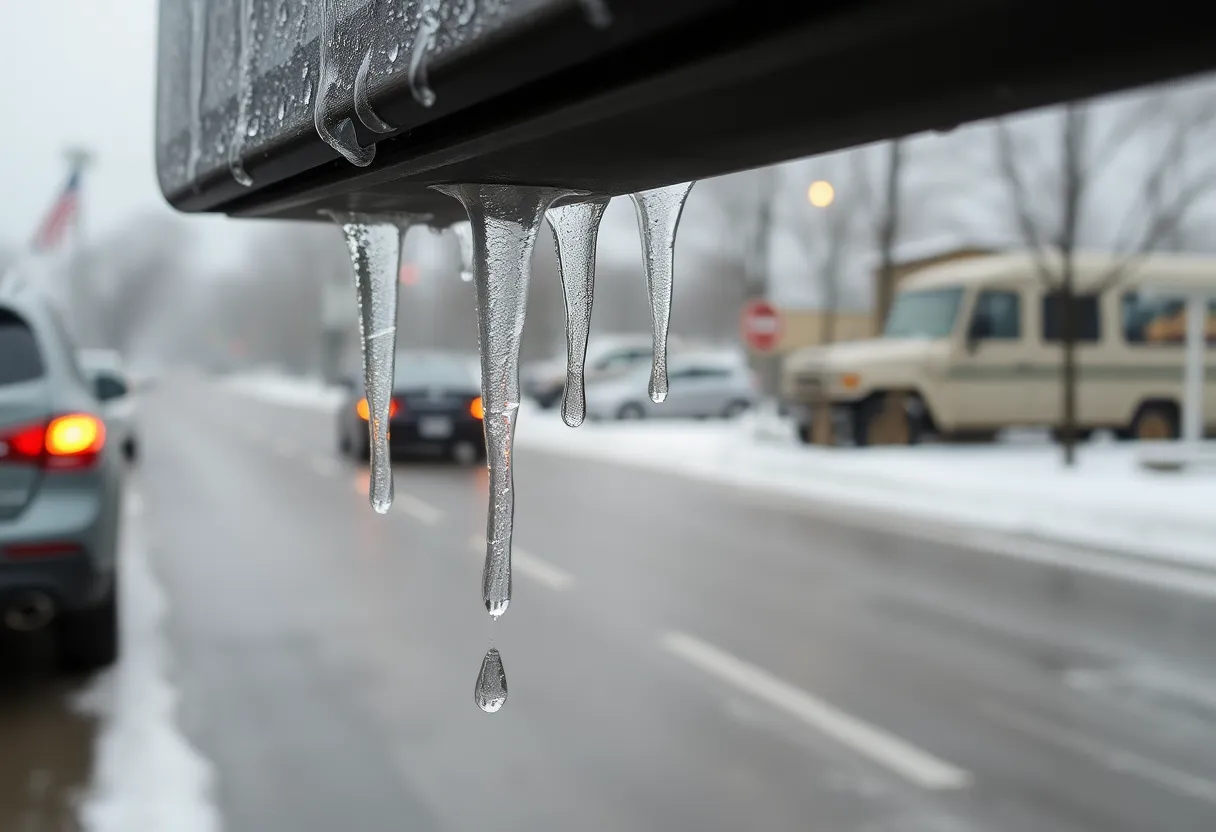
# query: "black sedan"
(436, 410)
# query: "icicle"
(464, 237)
(363, 106)
(658, 213)
(198, 57)
(424, 42)
(575, 230)
(504, 220)
(337, 133)
(374, 243)
(247, 53)
(490, 693)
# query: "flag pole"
(79, 159)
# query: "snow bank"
(146, 775)
(292, 391)
(1107, 501)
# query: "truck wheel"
(1157, 420)
(88, 639)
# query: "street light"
(821, 194)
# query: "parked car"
(436, 409)
(607, 356)
(61, 482)
(115, 390)
(701, 385)
(973, 346)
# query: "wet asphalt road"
(679, 656)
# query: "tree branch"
(1007, 160)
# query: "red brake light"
(477, 408)
(365, 414)
(73, 440)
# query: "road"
(679, 655)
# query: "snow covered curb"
(146, 775)
(1108, 502)
(276, 388)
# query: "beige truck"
(973, 346)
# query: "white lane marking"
(913, 764)
(325, 466)
(284, 448)
(417, 508)
(1116, 759)
(531, 566)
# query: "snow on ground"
(1108, 501)
(146, 775)
(293, 391)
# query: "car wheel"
(130, 449)
(735, 409)
(631, 411)
(88, 639)
(1155, 421)
(885, 420)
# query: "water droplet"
(658, 212)
(504, 220)
(307, 94)
(241, 130)
(575, 230)
(338, 133)
(466, 12)
(597, 12)
(393, 51)
(490, 692)
(198, 56)
(282, 13)
(254, 126)
(282, 109)
(363, 107)
(374, 244)
(464, 238)
(424, 41)
(304, 73)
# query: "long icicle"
(658, 213)
(374, 243)
(504, 220)
(575, 231)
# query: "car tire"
(878, 422)
(1155, 420)
(130, 449)
(735, 409)
(632, 411)
(89, 639)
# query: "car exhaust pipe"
(29, 612)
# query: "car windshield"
(924, 314)
(433, 371)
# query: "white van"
(972, 346)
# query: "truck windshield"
(926, 314)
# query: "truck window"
(20, 359)
(1003, 310)
(1086, 326)
(1155, 319)
(923, 314)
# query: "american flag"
(60, 217)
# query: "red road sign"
(761, 325)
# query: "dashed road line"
(417, 508)
(531, 566)
(912, 763)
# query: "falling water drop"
(374, 244)
(337, 133)
(393, 51)
(424, 42)
(575, 229)
(363, 106)
(464, 237)
(597, 12)
(236, 148)
(490, 693)
(198, 57)
(658, 213)
(504, 220)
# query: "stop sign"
(761, 325)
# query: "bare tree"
(1053, 232)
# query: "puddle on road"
(46, 749)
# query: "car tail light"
(30, 551)
(73, 440)
(477, 408)
(364, 413)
